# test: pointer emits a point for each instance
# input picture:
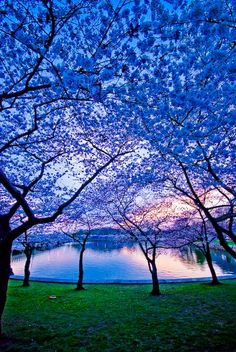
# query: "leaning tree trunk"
(5, 269)
(28, 252)
(79, 286)
(208, 256)
(155, 282)
(222, 239)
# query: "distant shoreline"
(126, 282)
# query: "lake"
(107, 261)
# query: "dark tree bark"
(79, 286)
(208, 256)
(28, 252)
(155, 281)
(220, 231)
(5, 261)
(223, 241)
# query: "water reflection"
(220, 258)
(107, 260)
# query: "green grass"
(186, 317)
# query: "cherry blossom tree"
(81, 237)
(82, 79)
(146, 221)
(197, 232)
(38, 238)
(203, 238)
(28, 251)
(191, 123)
(65, 73)
(78, 223)
(220, 208)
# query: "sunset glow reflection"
(119, 263)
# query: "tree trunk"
(5, 269)
(28, 252)
(222, 240)
(215, 280)
(79, 286)
(155, 282)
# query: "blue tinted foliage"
(85, 82)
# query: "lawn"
(186, 317)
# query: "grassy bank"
(187, 317)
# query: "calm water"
(104, 261)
